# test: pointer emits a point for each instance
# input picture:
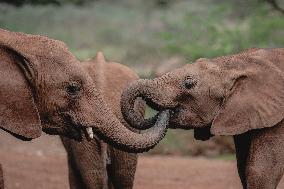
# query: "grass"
(222, 29)
(142, 35)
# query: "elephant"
(240, 95)
(104, 161)
(45, 88)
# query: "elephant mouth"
(175, 114)
(77, 127)
(154, 105)
(72, 133)
(157, 107)
(66, 125)
(187, 119)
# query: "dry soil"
(41, 164)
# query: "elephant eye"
(189, 83)
(73, 88)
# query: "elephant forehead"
(74, 71)
(192, 71)
(187, 70)
(206, 64)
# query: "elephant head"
(45, 88)
(229, 95)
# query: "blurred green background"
(152, 37)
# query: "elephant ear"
(254, 97)
(18, 112)
(99, 76)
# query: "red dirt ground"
(41, 164)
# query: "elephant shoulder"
(119, 71)
(118, 76)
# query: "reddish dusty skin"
(87, 160)
(57, 95)
(239, 95)
(45, 88)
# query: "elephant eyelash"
(73, 88)
(188, 82)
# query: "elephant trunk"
(110, 129)
(148, 90)
(134, 118)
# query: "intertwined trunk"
(137, 89)
(157, 95)
(110, 129)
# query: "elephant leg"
(265, 163)
(87, 165)
(75, 179)
(121, 168)
(1, 178)
(242, 146)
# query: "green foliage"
(222, 29)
